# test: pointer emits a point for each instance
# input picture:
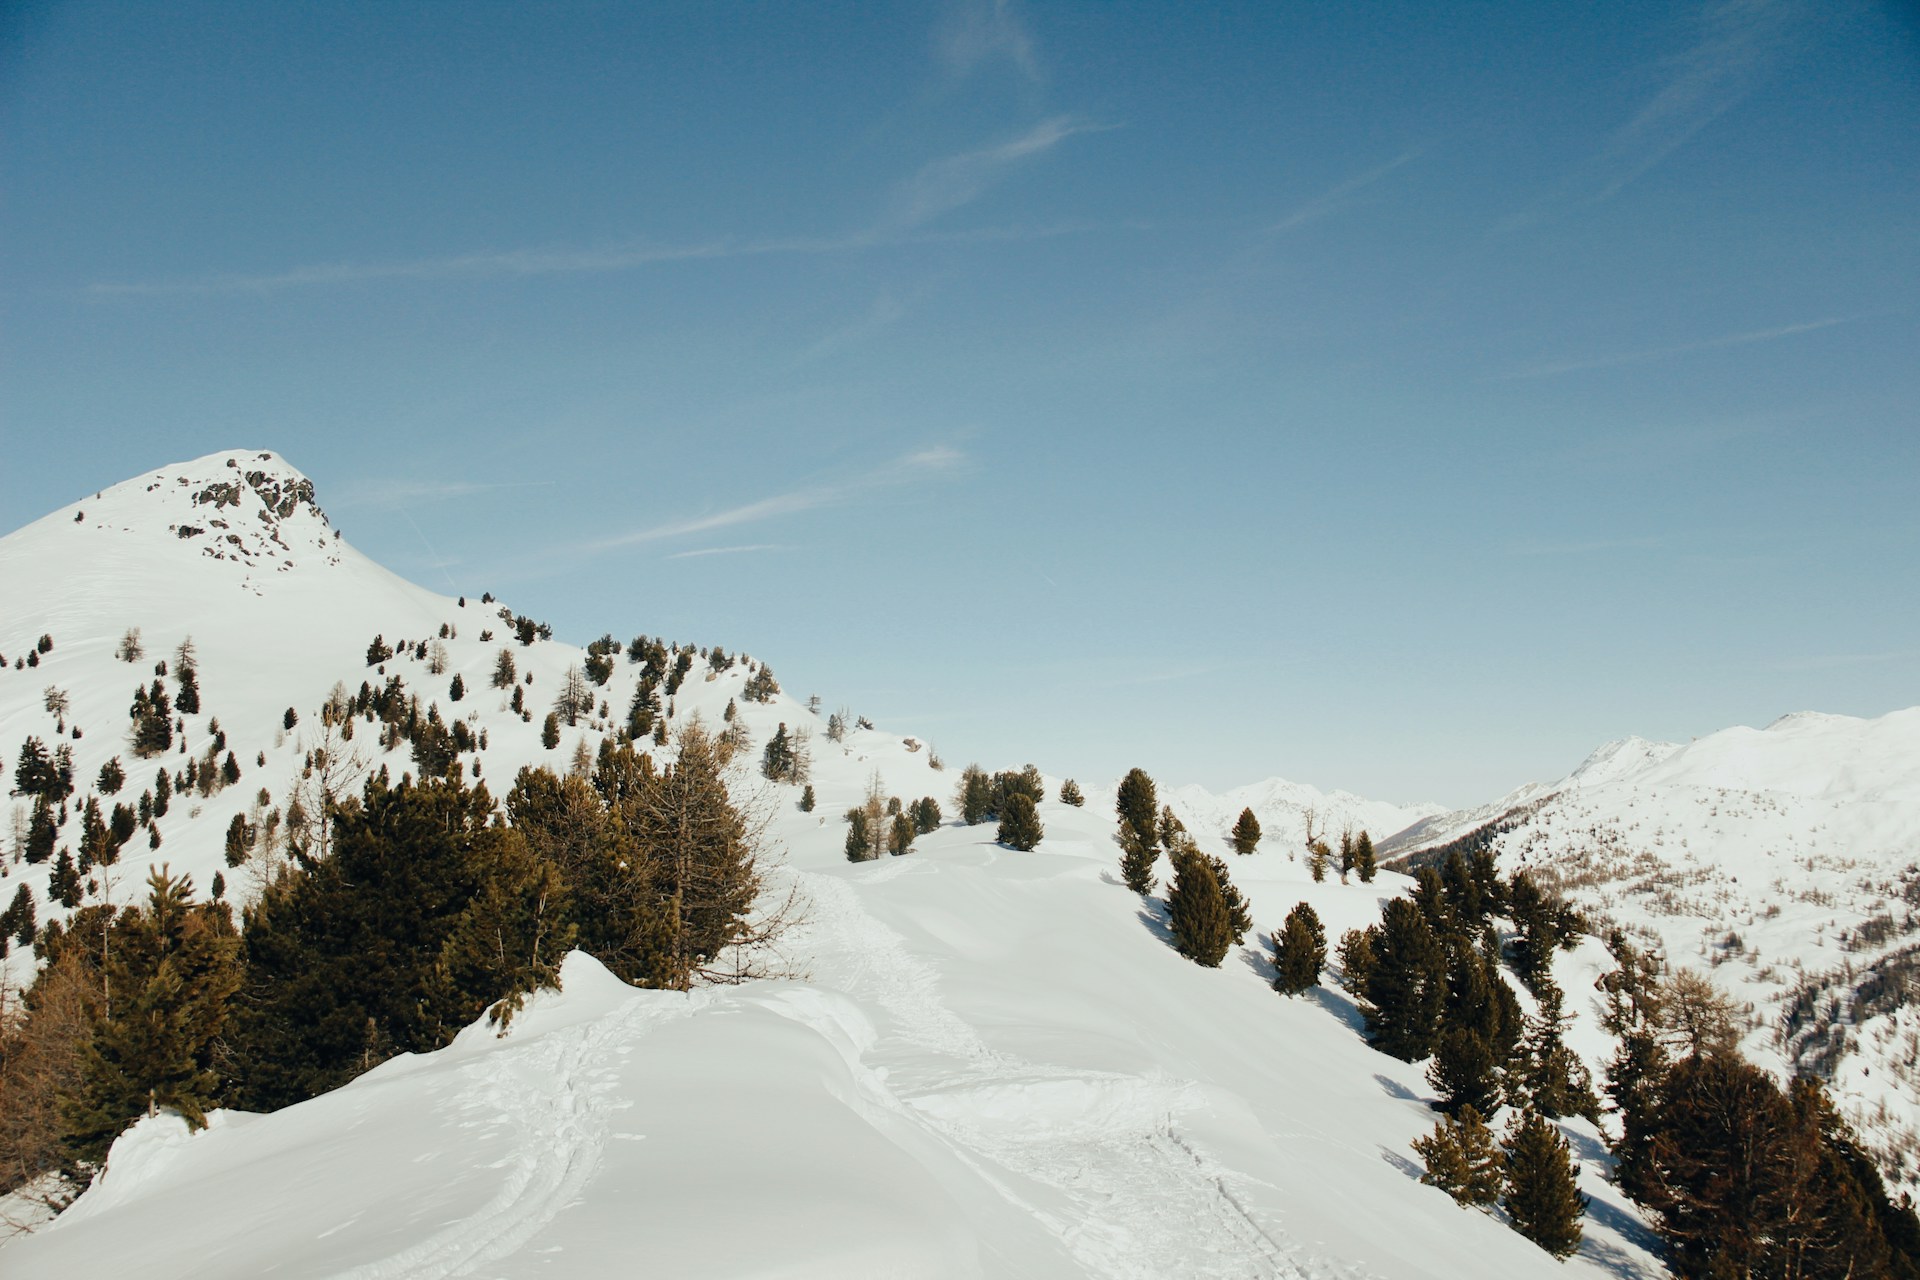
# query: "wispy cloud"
(1336, 197)
(401, 494)
(885, 312)
(1733, 46)
(946, 184)
(911, 468)
(1554, 368)
(979, 33)
(530, 263)
(726, 551)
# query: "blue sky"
(1397, 397)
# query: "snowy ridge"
(994, 1066)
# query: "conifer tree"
(1299, 951)
(976, 795)
(1197, 912)
(550, 731)
(1070, 794)
(1542, 1199)
(458, 689)
(1020, 826)
(1464, 1072)
(1406, 989)
(63, 885)
(112, 778)
(505, 673)
(900, 834)
(1363, 857)
(1138, 807)
(1462, 1159)
(806, 799)
(859, 840)
(1318, 858)
(926, 815)
(172, 969)
(1246, 832)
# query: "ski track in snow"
(1145, 1202)
(553, 1093)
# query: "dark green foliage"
(240, 838)
(550, 731)
(761, 686)
(976, 795)
(781, 761)
(187, 700)
(172, 970)
(162, 794)
(1462, 1159)
(1299, 951)
(63, 885)
(1246, 832)
(343, 954)
(1406, 989)
(378, 652)
(112, 778)
(290, 719)
(504, 670)
(1070, 794)
(806, 799)
(599, 668)
(41, 832)
(1743, 1180)
(1551, 1076)
(1543, 1202)
(152, 716)
(1020, 826)
(925, 813)
(33, 771)
(1364, 860)
(1137, 859)
(1464, 1071)
(230, 770)
(1138, 807)
(1197, 911)
(900, 834)
(19, 922)
(860, 847)
(458, 689)
(1356, 958)
(1318, 857)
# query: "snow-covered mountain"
(994, 1064)
(1785, 861)
(1290, 812)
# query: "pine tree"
(1542, 1199)
(1299, 951)
(457, 689)
(1462, 1159)
(976, 795)
(900, 834)
(1197, 912)
(926, 815)
(806, 799)
(859, 840)
(1318, 857)
(1464, 1072)
(173, 969)
(1070, 794)
(112, 778)
(1363, 857)
(1246, 832)
(1406, 989)
(1239, 914)
(505, 673)
(63, 885)
(550, 731)
(1138, 808)
(1020, 826)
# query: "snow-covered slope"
(994, 1064)
(1784, 860)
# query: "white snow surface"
(994, 1065)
